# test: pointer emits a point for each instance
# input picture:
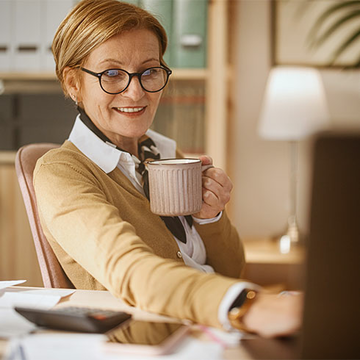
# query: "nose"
(134, 91)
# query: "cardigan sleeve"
(76, 214)
(224, 249)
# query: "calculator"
(80, 319)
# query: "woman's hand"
(216, 190)
(274, 315)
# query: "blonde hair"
(91, 23)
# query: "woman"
(109, 60)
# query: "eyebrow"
(121, 64)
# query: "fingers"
(206, 160)
(272, 315)
(217, 187)
(216, 190)
(214, 194)
(218, 176)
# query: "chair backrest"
(52, 273)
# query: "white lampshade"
(294, 105)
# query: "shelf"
(27, 76)
(47, 82)
(178, 74)
(7, 157)
(266, 251)
(189, 74)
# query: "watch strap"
(240, 307)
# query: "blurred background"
(221, 53)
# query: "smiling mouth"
(130, 110)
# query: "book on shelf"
(181, 116)
(185, 22)
(134, 2)
(189, 33)
(162, 10)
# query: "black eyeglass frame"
(131, 75)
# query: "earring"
(74, 99)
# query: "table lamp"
(294, 107)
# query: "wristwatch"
(240, 307)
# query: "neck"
(129, 145)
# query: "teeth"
(130, 110)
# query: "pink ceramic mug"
(175, 186)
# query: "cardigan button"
(179, 254)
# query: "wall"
(260, 169)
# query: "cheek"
(155, 100)
(90, 90)
(95, 99)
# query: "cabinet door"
(27, 35)
(44, 118)
(55, 11)
(5, 34)
(7, 126)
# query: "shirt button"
(179, 254)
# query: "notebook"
(331, 318)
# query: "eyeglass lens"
(116, 80)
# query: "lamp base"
(291, 238)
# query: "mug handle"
(205, 167)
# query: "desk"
(266, 266)
(103, 299)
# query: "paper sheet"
(10, 300)
(48, 292)
(89, 347)
(55, 346)
(33, 298)
(5, 284)
(12, 323)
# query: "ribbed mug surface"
(175, 186)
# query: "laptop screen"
(331, 326)
(331, 317)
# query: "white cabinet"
(5, 34)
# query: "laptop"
(331, 317)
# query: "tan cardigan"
(105, 237)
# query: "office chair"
(51, 271)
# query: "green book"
(162, 10)
(189, 33)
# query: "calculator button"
(98, 316)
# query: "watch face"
(239, 308)
(246, 294)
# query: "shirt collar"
(105, 154)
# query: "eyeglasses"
(115, 81)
